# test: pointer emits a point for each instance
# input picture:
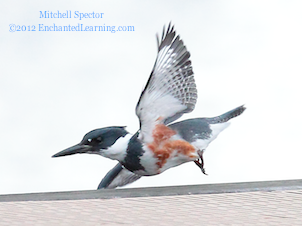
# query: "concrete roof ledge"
(158, 191)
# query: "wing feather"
(170, 90)
(118, 177)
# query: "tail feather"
(227, 116)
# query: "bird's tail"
(227, 116)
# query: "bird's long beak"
(76, 149)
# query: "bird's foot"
(200, 165)
(199, 162)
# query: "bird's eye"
(89, 140)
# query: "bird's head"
(110, 142)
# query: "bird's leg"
(199, 162)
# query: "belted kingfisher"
(158, 145)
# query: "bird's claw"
(199, 162)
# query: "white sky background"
(57, 86)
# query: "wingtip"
(165, 34)
(170, 28)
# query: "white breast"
(148, 161)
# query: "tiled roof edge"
(158, 191)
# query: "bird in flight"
(159, 144)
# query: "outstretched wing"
(170, 91)
(118, 177)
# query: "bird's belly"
(171, 153)
(166, 150)
(176, 158)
